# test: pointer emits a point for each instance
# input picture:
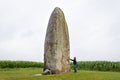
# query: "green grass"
(28, 74)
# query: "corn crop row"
(98, 65)
(19, 64)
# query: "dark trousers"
(75, 68)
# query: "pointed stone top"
(57, 10)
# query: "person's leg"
(75, 68)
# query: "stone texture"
(56, 47)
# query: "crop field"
(29, 74)
(81, 65)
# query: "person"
(75, 64)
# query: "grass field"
(28, 74)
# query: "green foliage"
(29, 74)
(19, 64)
(98, 65)
(82, 65)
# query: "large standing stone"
(56, 48)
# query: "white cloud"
(93, 28)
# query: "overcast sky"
(94, 28)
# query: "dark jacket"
(74, 61)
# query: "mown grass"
(28, 74)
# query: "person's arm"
(71, 59)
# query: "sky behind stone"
(94, 28)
